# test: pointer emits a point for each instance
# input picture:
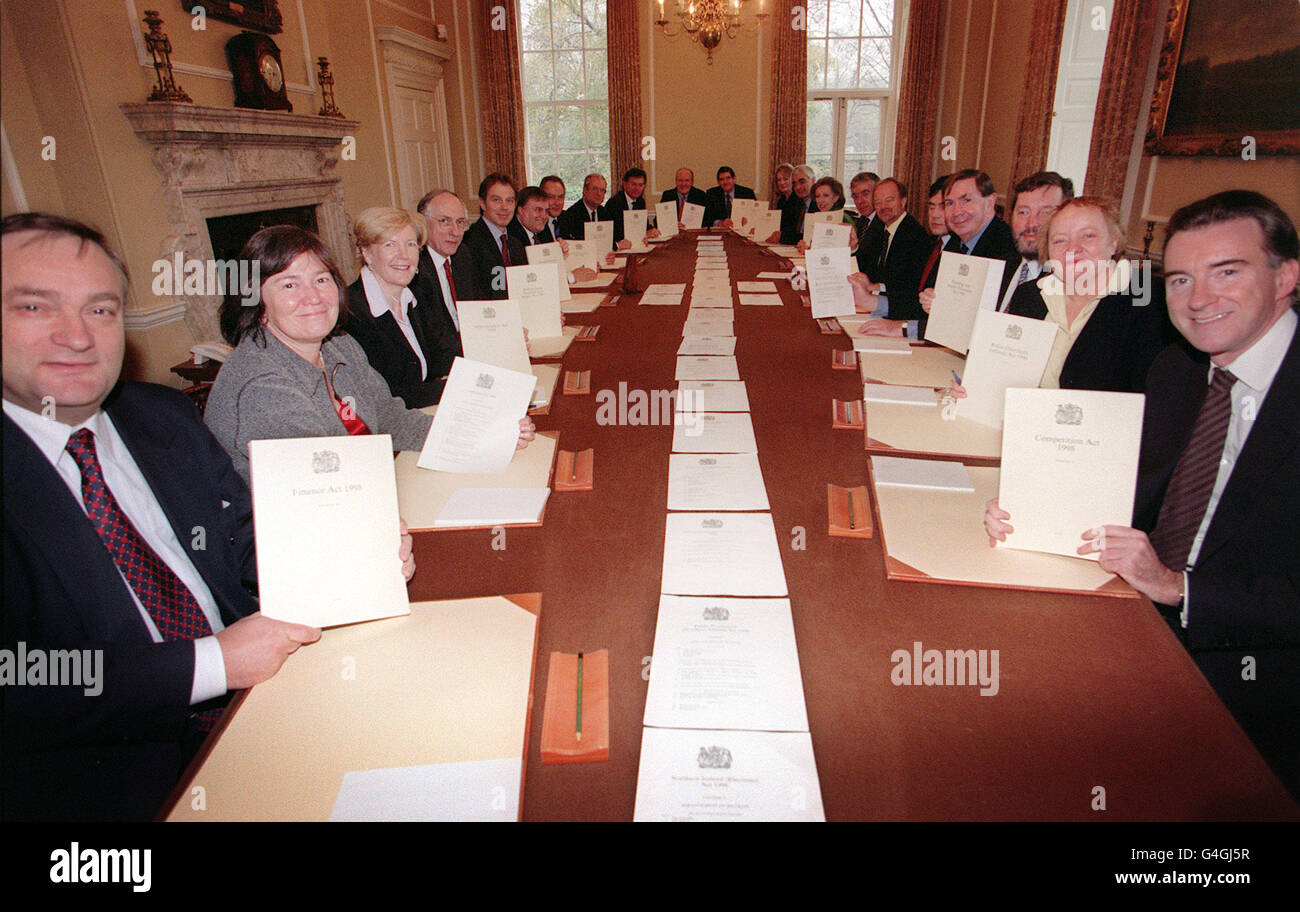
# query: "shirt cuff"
(882, 306)
(912, 330)
(209, 670)
(1187, 599)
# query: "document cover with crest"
(325, 517)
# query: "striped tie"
(1193, 480)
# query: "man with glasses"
(446, 272)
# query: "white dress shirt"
(378, 302)
(1027, 271)
(448, 298)
(137, 501)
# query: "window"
(566, 89)
(851, 91)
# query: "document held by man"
(965, 285)
(1069, 464)
(634, 222)
(722, 554)
(830, 234)
(602, 233)
(340, 490)
(666, 218)
(725, 663)
(551, 253)
(476, 427)
(537, 289)
(1005, 351)
(711, 775)
(692, 216)
(828, 282)
(493, 332)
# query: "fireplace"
(218, 163)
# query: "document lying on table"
(722, 481)
(707, 345)
(692, 216)
(341, 490)
(482, 791)
(715, 432)
(911, 395)
(1005, 351)
(830, 234)
(493, 332)
(757, 287)
(634, 221)
(666, 218)
(697, 325)
(474, 507)
(712, 396)
(725, 663)
(477, 424)
(711, 775)
(554, 254)
(936, 474)
(828, 282)
(965, 285)
(602, 233)
(722, 554)
(537, 289)
(1069, 464)
(711, 299)
(707, 367)
(760, 300)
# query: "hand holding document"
(829, 234)
(1005, 351)
(493, 332)
(476, 428)
(692, 216)
(666, 218)
(1069, 464)
(828, 282)
(583, 254)
(965, 285)
(537, 289)
(634, 222)
(315, 498)
(551, 253)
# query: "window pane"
(842, 63)
(593, 14)
(535, 24)
(597, 85)
(569, 80)
(538, 76)
(878, 18)
(875, 63)
(566, 23)
(821, 164)
(597, 126)
(862, 128)
(816, 65)
(845, 15)
(570, 129)
(541, 128)
(820, 128)
(817, 18)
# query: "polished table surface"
(1100, 713)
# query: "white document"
(784, 276)
(666, 288)
(477, 424)
(712, 396)
(582, 303)
(829, 234)
(707, 367)
(828, 282)
(583, 253)
(880, 345)
(719, 776)
(339, 490)
(602, 233)
(698, 327)
(661, 300)
(722, 554)
(714, 432)
(933, 474)
(757, 287)
(707, 345)
(666, 218)
(714, 299)
(911, 395)
(475, 790)
(812, 219)
(721, 481)
(537, 289)
(725, 663)
(787, 251)
(1069, 464)
(693, 216)
(1005, 351)
(742, 214)
(493, 506)
(765, 224)
(493, 332)
(965, 285)
(760, 300)
(550, 253)
(634, 221)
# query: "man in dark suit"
(1214, 538)
(529, 223)
(866, 227)
(1033, 200)
(553, 189)
(588, 209)
(718, 200)
(685, 192)
(488, 241)
(446, 271)
(896, 258)
(127, 544)
(632, 196)
(796, 207)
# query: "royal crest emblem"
(708, 460)
(716, 613)
(1014, 332)
(714, 758)
(711, 524)
(485, 381)
(963, 270)
(1069, 413)
(489, 313)
(325, 461)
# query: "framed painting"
(1229, 79)
(262, 15)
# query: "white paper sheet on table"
(912, 395)
(706, 367)
(492, 507)
(474, 790)
(699, 344)
(722, 554)
(760, 300)
(718, 481)
(757, 287)
(712, 396)
(715, 432)
(933, 474)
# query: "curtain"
(501, 94)
(624, 41)
(789, 90)
(1119, 100)
(1034, 126)
(917, 102)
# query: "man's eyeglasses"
(446, 222)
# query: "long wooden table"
(1095, 693)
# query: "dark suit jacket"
(871, 238)
(571, 221)
(118, 754)
(392, 356)
(482, 248)
(613, 209)
(901, 270)
(516, 230)
(715, 206)
(696, 196)
(792, 218)
(1116, 348)
(1244, 592)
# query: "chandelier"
(707, 21)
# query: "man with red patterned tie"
(128, 548)
(489, 241)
